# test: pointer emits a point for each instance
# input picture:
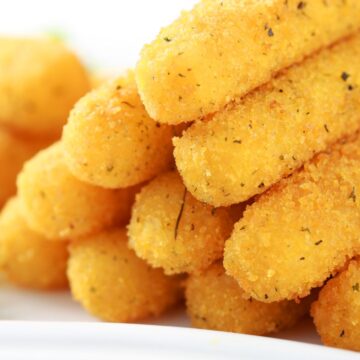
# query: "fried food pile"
(224, 169)
(41, 80)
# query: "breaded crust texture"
(172, 230)
(302, 230)
(337, 311)
(26, 257)
(40, 80)
(14, 151)
(220, 50)
(110, 140)
(245, 149)
(215, 301)
(113, 284)
(59, 206)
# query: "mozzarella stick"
(59, 206)
(112, 283)
(26, 257)
(337, 311)
(172, 230)
(302, 230)
(14, 151)
(110, 141)
(215, 301)
(242, 151)
(40, 80)
(220, 50)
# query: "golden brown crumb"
(110, 140)
(172, 230)
(243, 150)
(59, 206)
(293, 237)
(337, 311)
(26, 257)
(113, 284)
(221, 50)
(215, 301)
(14, 151)
(40, 82)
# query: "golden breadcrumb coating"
(337, 311)
(112, 283)
(172, 230)
(243, 150)
(110, 140)
(59, 206)
(14, 151)
(215, 301)
(40, 80)
(300, 231)
(27, 259)
(221, 50)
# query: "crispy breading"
(336, 313)
(14, 151)
(243, 150)
(112, 283)
(26, 257)
(40, 80)
(110, 140)
(215, 301)
(301, 231)
(172, 230)
(220, 50)
(59, 206)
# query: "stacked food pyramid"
(227, 164)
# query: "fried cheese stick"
(220, 50)
(26, 257)
(112, 283)
(172, 230)
(215, 301)
(301, 231)
(337, 311)
(59, 206)
(40, 80)
(110, 140)
(244, 150)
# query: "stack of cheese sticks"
(225, 168)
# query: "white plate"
(33, 325)
(61, 340)
(42, 325)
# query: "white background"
(106, 33)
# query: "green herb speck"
(301, 5)
(345, 75)
(180, 214)
(353, 194)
